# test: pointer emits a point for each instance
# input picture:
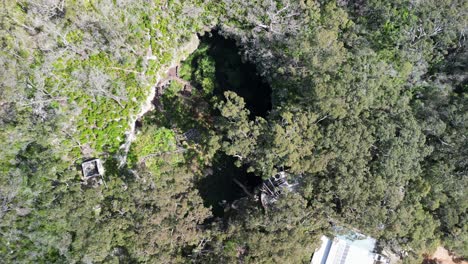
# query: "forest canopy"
(190, 105)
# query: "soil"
(443, 256)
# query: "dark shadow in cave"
(232, 74)
(219, 187)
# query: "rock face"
(179, 55)
(187, 49)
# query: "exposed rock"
(179, 54)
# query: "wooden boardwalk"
(173, 75)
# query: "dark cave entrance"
(232, 74)
(219, 188)
(228, 72)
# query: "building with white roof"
(342, 250)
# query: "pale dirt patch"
(442, 256)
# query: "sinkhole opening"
(219, 188)
(217, 66)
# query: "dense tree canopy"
(368, 115)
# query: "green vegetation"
(365, 103)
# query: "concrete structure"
(92, 168)
(342, 250)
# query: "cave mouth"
(217, 62)
(219, 188)
(231, 73)
(234, 74)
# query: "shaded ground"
(219, 187)
(216, 67)
(242, 78)
(231, 73)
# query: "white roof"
(343, 251)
